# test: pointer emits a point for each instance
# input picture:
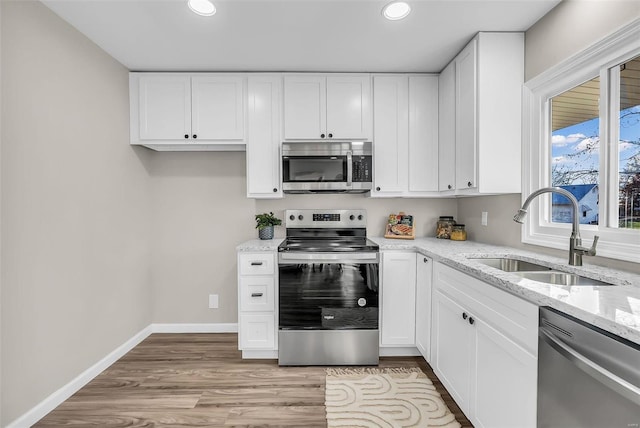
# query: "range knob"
(360, 217)
(300, 217)
(292, 217)
(352, 217)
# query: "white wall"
(75, 206)
(570, 27)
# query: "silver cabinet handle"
(256, 294)
(256, 263)
(591, 368)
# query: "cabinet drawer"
(257, 293)
(257, 331)
(256, 263)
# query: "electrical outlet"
(485, 216)
(213, 301)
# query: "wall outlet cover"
(485, 216)
(213, 301)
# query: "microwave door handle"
(349, 168)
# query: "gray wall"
(75, 207)
(569, 28)
(201, 213)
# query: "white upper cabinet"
(391, 135)
(263, 140)
(217, 107)
(488, 75)
(319, 106)
(423, 134)
(165, 107)
(405, 140)
(181, 111)
(447, 129)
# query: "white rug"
(384, 398)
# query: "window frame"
(596, 60)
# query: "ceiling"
(291, 35)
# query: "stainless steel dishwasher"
(586, 377)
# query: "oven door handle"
(291, 258)
(599, 373)
(349, 168)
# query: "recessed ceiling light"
(396, 10)
(202, 7)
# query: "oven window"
(318, 169)
(328, 296)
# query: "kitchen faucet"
(576, 250)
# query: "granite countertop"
(613, 308)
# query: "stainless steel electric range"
(328, 289)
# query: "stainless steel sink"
(511, 265)
(538, 273)
(561, 278)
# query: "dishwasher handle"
(599, 373)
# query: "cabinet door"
(423, 305)
(423, 133)
(398, 287)
(447, 128)
(452, 348)
(263, 143)
(165, 107)
(505, 382)
(218, 107)
(349, 107)
(391, 134)
(466, 120)
(304, 107)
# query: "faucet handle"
(589, 251)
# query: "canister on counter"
(458, 233)
(444, 227)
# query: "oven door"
(328, 291)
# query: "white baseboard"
(195, 328)
(54, 400)
(390, 351)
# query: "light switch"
(213, 301)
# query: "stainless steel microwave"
(327, 167)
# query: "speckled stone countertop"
(613, 308)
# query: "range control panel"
(325, 218)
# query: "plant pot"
(266, 232)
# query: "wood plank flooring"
(191, 380)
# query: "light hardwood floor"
(192, 380)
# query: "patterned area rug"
(384, 398)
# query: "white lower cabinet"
(397, 299)
(257, 325)
(484, 349)
(424, 274)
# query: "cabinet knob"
(321, 135)
(377, 189)
(469, 184)
(449, 187)
(464, 316)
(426, 260)
(330, 135)
(195, 136)
(471, 320)
(186, 135)
(275, 190)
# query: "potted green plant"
(265, 223)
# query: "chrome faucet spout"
(576, 251)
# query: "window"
(584, 136)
